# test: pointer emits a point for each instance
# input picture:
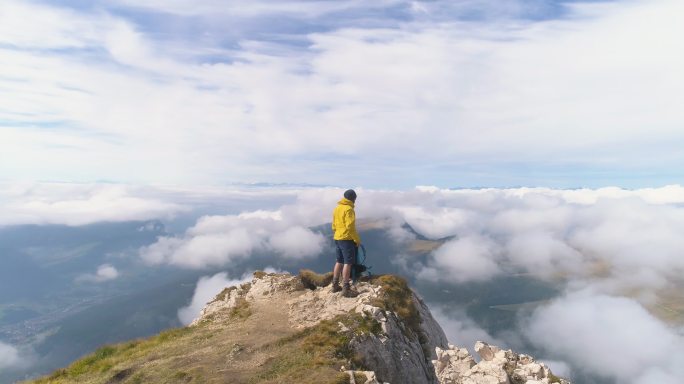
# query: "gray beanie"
(349, 194)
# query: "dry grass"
(313, 280)
(230, 349)
(223, 294)
(241, 310)
(397, 297)
(207, 353)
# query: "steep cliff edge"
(275, 330)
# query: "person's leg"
(337, 269)
(349, 253)
(346, 273)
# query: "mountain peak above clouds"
(282, 328)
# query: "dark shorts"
(346, 251)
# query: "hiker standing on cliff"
(347, 243)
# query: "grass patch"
(360, 378)
(342, 378)
(397, 297)
(109, 356)
(97, 362)
(223, 294)
(182, 376)
(315, 354)
(262, 274)
(313, 280)
(553, 378)
(241, 310)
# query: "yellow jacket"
(344, 222)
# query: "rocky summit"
(281, 328)
(456, 366)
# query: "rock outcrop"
(401, 341)
(400, 351)
(277, 329)
(456, 366)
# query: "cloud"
(217, 240)
(464, 259)
(460, 329)
(9, 356)
(99, 94)
(297, 243)
(105, 272)
(610, 336)
(207, 288)
(78, 204)
(12, 357)
(615, 252)
(572, 234)
(629, 239)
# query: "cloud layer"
(612, 336)
(207, 288)
(79, 204)
(471, 92)
(105, 272)
(217, 240)
(9, 356)
(614, 252)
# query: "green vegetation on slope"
(234, 345)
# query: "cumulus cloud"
(630, 239)
(79, 204)
(610, 336)
(207, 288)
(9, 356)
(561, 87)
(216, 240)
(296, 243)
(625, 245)
(460, 329)
(465, 259)
(12, 357)
(105, 272)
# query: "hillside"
(283, 329)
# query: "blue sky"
(382, 94)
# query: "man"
(347, 242)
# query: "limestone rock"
(397, 354)
(456, 366)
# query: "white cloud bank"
(207, 288)
(12, 357)
(432, 99)
(105, 272)
(629, 239)
(217, 240)
(9, 356)
(613, 234)
(604, 244)
(79, 204)
(611, 336)
(461, 329)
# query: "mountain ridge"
(274, 329)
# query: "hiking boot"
(347, 291)
(336, 286)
